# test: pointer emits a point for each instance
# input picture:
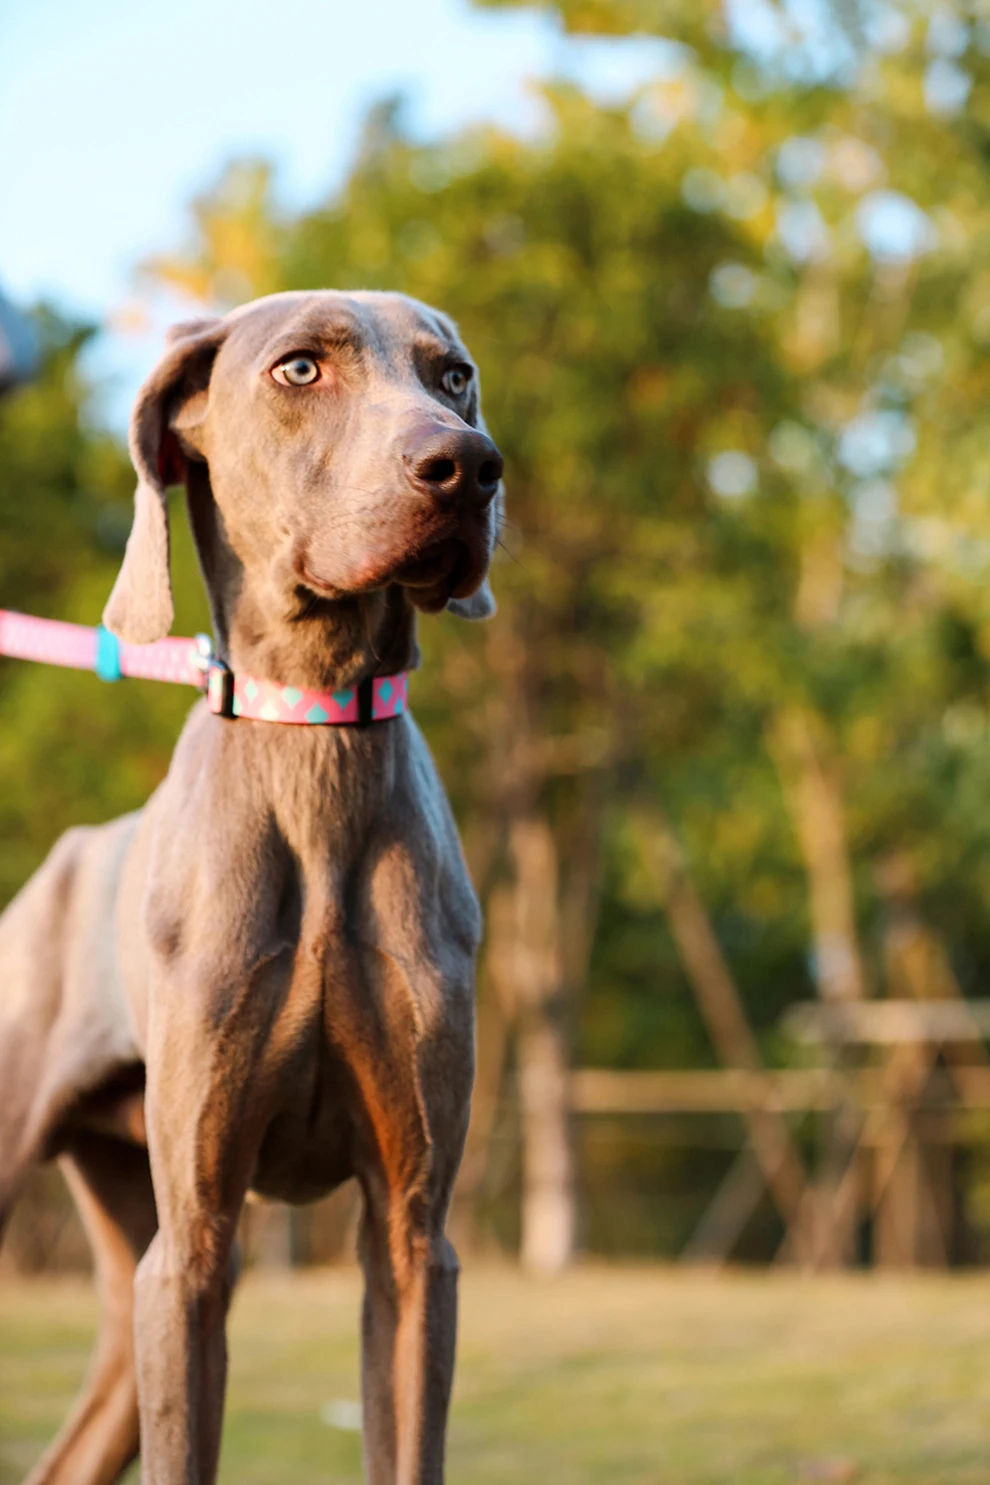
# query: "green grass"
(610, 1375)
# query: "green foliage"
(72, 750)
(687, 20)
(733, 341)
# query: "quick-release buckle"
(202, 656)
(366, 701)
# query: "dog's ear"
(168, 410)
(481, 605)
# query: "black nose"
(454, 464)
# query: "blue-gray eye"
(455, 380)
(296, 371)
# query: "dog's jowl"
(263, 980)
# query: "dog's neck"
(290, 637)
(325, 645)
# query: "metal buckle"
(218, 678)
(203, 656)
(220, 689)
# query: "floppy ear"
(172, 401)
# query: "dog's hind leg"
(63, 1024)
(30, 993)
(111, 1184)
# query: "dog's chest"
(308, 1147)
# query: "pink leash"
(191, 662)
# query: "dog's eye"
(296, 371)
(455, 380)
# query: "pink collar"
(372, 700)
(191, 662)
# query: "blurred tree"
(65, 509)
(581, 281)
(732, 332)
(712, 321)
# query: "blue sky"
(113, 114)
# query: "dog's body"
(284, 938)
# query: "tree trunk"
(813, 790)
(548, 1180)
(541, 1046)
(267, 1234)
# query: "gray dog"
(263, 981)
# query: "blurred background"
(722, 760)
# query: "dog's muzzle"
(456, 466)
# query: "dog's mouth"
(449, 567)
(441, 572)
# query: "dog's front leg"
(406, 1031)
(409, 1332)
(210, 1054)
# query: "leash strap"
(190, 662)
(55, 643)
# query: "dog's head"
(340, 441)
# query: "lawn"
(610, 1375)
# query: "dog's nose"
(455, 464)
